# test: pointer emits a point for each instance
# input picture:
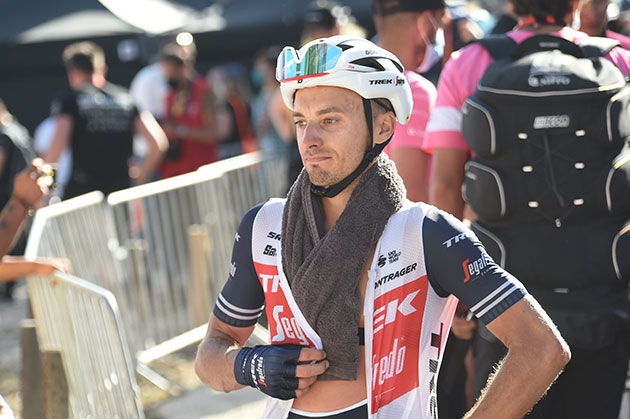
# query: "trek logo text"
(387, 314)
(455, 240)
(381, 81)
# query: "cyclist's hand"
(282, 371)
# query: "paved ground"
(199, 403)
(11, 313)
(204, 403)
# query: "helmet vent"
(369, 62)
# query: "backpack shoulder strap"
(498, 46)
(596, 46)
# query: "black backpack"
(549, 126)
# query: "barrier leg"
(32, 398)
(198, 291)
(55, 385)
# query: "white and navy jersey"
(456, 263)
(423, 260)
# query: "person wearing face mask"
(190, 116)
(432, 34)
(408, 29)
(588, 308)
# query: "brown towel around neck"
(324, 269)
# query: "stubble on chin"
(321, 177)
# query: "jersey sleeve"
(242, 300)
(458, 264)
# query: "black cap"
(389, 7)
(320, 16)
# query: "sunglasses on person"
(317, 60)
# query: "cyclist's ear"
(384, 126)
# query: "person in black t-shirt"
(97, 120)
(15, 153)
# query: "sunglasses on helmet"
(317, 60)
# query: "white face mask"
(431, 56)
(576, 20)
(433, 52)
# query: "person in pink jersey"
(444, 139)
(443, 136)
(408, 28)
(458, 80)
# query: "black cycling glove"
(269, 368)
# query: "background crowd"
(176, 115)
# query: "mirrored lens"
(318, 59)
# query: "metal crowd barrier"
(80, 230)
(81, 320)
(222, 204)
(152, 222)
(138, 246)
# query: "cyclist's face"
(331, 132)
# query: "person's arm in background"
(444, 137)
(29, 186)
(157, 144)
(412, 165)
(447, 176)
(61, 138)
(12, 268)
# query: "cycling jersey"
(424, 259)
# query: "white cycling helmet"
(351, 63)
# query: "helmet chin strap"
(369, 156)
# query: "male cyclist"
(358, 283)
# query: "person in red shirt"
(190, 117)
